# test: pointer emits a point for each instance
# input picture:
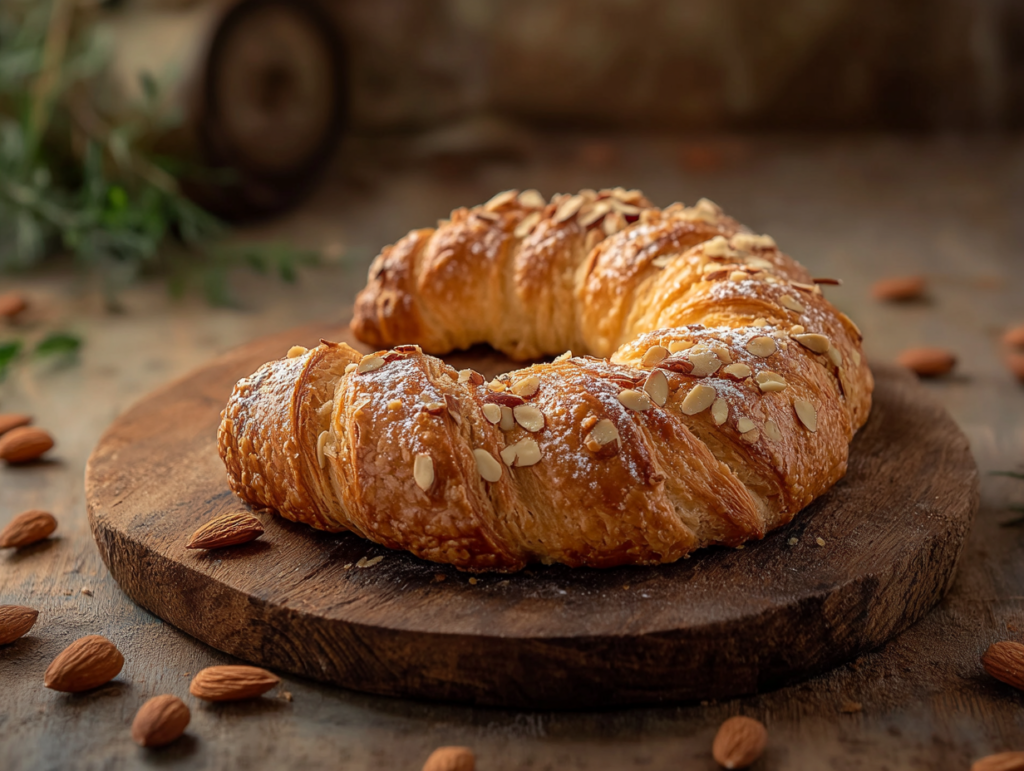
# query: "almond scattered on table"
(1014, 336)
(15, 621)
(87, 663)
(899, 288)
(451, 759)
(928, 362)
(1015, 363)
(1005, 661)
(27, 528)
(1002, 761)
(232, 682)
(11, 304)
(226, 530)
(160, 721)
(740, 741)
(12, 420)
(25, 443)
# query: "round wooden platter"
(852, 570)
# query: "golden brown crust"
(728, 403)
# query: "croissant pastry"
(713, 392)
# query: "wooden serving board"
(724, 623)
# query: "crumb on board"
(820, 541)
(473, 581)
(87, 591)
(369, 562)
(793, 541)
(439, 577)
(286, 695)
(850, 707)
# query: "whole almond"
(27, 528)
(15, 621)
(1015, 363)
(898, 288)
(12, 303)
(12, 420)
(232, 682)
(87, 663)
(1005, 661)
(24, 443)
(1003, 761)
(740, 742)
(226, 530)
(928, 362)
(451, 759)
(1014, 336)
(160, 721)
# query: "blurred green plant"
(73, 180)
(54, 344)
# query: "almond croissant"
(728, 403)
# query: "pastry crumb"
(473, 581)
(820, 541)
(850, 707)
(793, 541)
(286, 695)
(439, 577)
(87, 591)
(365, 562)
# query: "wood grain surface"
(856, 567)
(857, 208)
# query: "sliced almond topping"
(320, 442)
(613, 223)
(797, 329)
(486, 464)
(358, 406)
(508, 421)
(487, 215)
(853, 326)
(369, 364)
(737, 371)
(704, 362)
(762, 346)
(603, 433)
(856, 357)
(699, 399)
(763, 264)
(350, 368)
(722, 353)
(816, 343)
(508, 455)
(434, 408)
(594, 237)
(497, 386)
(720, 411)
(423, 471)
(772, 431)
(654, 355)
(634, 400)
(532, 199)
(770, 381)
(526, 386)
(501, 199)
(834, 356)
(751, 436)
(627, 209)
(760, 321)
(592, 214)
(744, 424)
(453, 408)
(717, 247)
(568, 208)
(739, 275)
(564, 357)
(748, 242)
(656, 387)
(394, 405)
(807, 413)
(663, 261)
(527, 452)
(527, 224)
(679, 345)
(529, 417)
(492, 412)
(788, 301)
(295, 351)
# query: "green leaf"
(8, 352)
(58, 343)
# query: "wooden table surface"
(857, 208)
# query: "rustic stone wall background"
(687, 64)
